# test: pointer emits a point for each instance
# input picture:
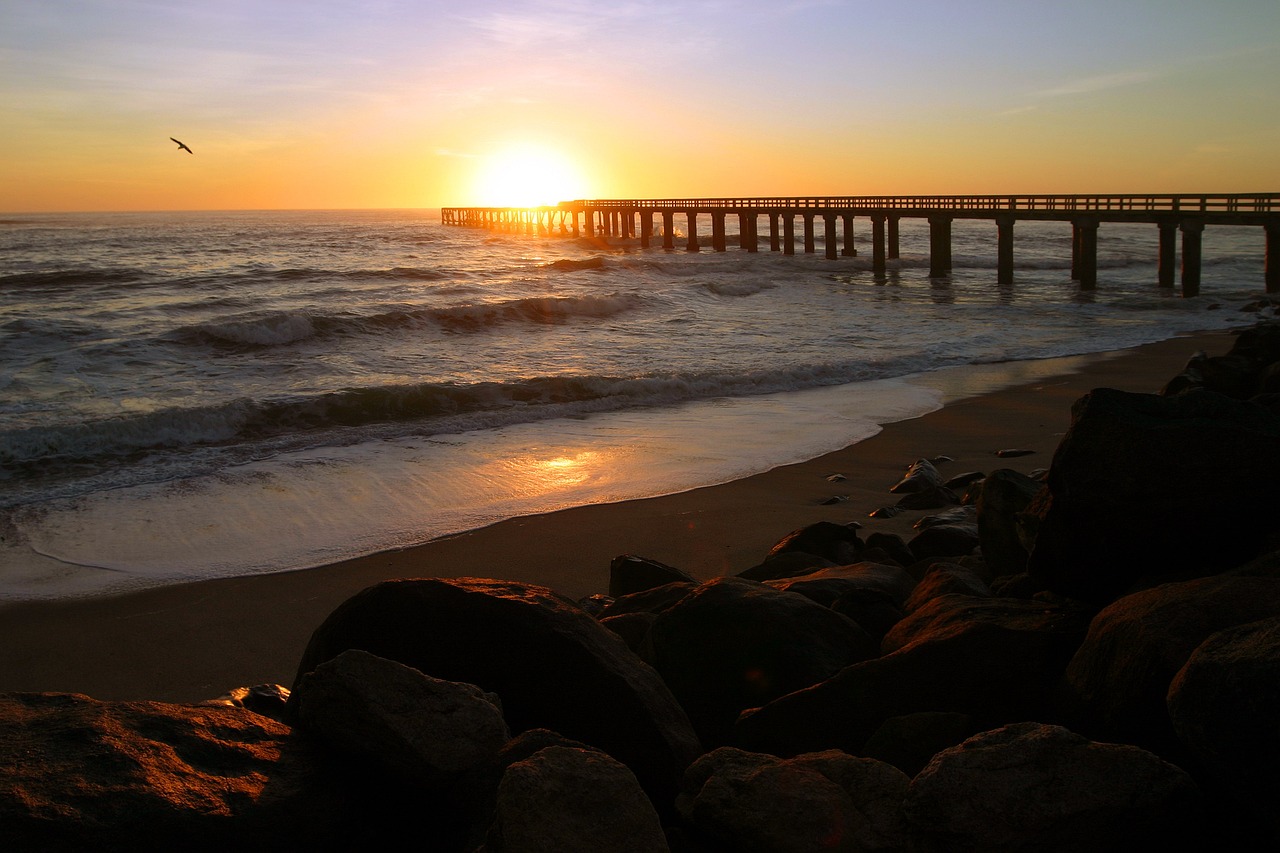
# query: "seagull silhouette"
(183, 147)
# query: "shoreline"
(197, 640)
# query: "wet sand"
(196, 641)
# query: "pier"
(1178, 217)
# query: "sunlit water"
(186, 395)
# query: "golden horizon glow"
(526, 175)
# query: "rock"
(875, 611)
(821, 801)
(1005, 496)
(960, 481)
(887, 512)
(825, 586)
(630, 574)
(1241, 373)
(633, 628)
(567, 800)
(955, 515)
(1031, 786)
(994, 659)
(943, 579)
(1011, 453)
(265, 699)
(838, 543)
(428, 730)
(911, 741)
(944, 540)
(893, 545)
(734, 644)
(933, 497)
(1116, 685)
(650, 601)
(1136, 475)
(554, 666)
(1224, 704)
(921, 476)
(788, 564)
(78, 774)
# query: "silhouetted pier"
(1174, 216)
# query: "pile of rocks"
(1084, 662)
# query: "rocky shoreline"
(1083, 660)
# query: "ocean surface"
(194, 395)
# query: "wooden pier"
(1173, 215)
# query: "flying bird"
(182, 146)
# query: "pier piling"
(1171, 214)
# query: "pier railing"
(1234, 203)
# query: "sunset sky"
(318, 104)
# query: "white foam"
(321, 506)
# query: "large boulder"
(735, 644)
(944, 578)
(1242, 373)
(1004, 497)
(563, 799)
(79, 774)
(993, 659)
(553, 666)
(829, 800)
(630, 574)
(838, 543)
(942, 541)
(1030, 786)
(826, 585)
(430, 731)
(1116, 685)
(1224, 704)
(1146, 489)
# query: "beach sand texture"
(195, 641)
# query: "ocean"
(195, 395)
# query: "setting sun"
(527, 176)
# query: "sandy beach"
(196, 641)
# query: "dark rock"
(933, 497)
(838, 543)
(960, 481)
(887, 512)
(1224, 704)
(1015, 586)
(944, 579)
(1036, 787)
(567, 800)
(875, 611)
(920, 477)
(911, 741)
(429, 731)
(650, 601)
(944, 540)
(995, 659)
(554, 666)
(265, 699)
(788, 564)
(633, 628)
(1136, 474)
(735, 644)
(955, 515)
(824, 586)
(1116, 685)
(1012, 453)
(1005, 496)
(821, 801)
(1241, 373)
(630, 574)
(893, 545)
(78, 774)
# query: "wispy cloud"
(1099, 83)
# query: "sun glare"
(527, 176)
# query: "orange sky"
(337, 105)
